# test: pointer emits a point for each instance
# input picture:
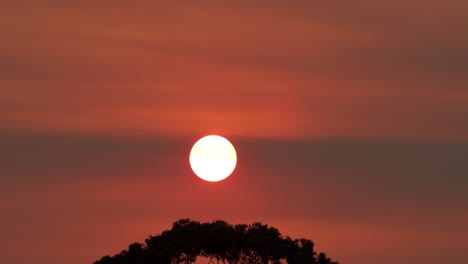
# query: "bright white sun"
(213, 158)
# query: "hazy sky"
(350, 120)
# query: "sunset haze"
(349, 119)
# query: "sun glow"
(213, 158)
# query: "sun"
(213, 158)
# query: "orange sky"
(349, 119)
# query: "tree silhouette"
(219, 241)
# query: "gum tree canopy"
(219, 241)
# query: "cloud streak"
(299, 70)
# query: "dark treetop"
(219, 241)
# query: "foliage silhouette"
(219, 241)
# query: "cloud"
(303, 70)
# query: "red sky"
(350, 121)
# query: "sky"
(350, 120)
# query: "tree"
(221, 242)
